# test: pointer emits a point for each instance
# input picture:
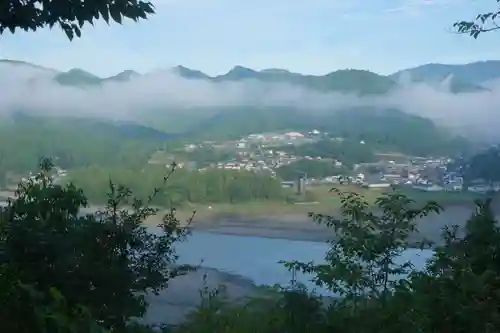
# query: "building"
(294, 135)
(428, 188)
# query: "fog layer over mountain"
(33, 90)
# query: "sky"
(313, 36)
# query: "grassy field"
(441, 197)
(327, 202)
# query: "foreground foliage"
(68, 15)
(100, 265)
(483, 22)
(61, 271)
(456, 292)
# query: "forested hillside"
(73, 142)
(383, 129)
(77, 142)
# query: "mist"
(34, 91)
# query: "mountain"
(348, 81)
(189, 73)
(80, 78)
(475, 72)
(77, 77)
(75, 142)
(24, 64)
(472, 77)
(464, 78)
(359, 82)
(384, 129)
(269, 107)
(120, 130)
(124, 76)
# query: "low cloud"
(33, 90)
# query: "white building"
(294, 135)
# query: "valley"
(245, 159)
(246, 167)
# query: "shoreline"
(299, 227)
(183, 294)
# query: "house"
(294, 135)
(379, 185)
(480, 188)
(429, 187)
(287, 184)
(391, 177)
(375, 181)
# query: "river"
(241, 255)
(257, 258)
(239, 262)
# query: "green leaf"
(69, 33)
(116, 13)
(105, 13)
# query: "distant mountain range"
(387, 126)
(470, 77)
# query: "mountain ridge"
(482, 68)
(467, 77)
(376, 124)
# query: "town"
(271, 152)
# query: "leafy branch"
(482, 23)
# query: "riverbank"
(269, 221)
(183, 295)
(301, 227)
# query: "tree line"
(208, 186)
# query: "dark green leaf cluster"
(101, 264)
(484, 165)
(69, 15)
(482, 23)
(362, 261)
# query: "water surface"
(257, 258)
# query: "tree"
(459, 289)
(105, 261)
(485, 165)
(361, 265)
(69, 15)
(485, 22)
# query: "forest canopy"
(209, 186)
